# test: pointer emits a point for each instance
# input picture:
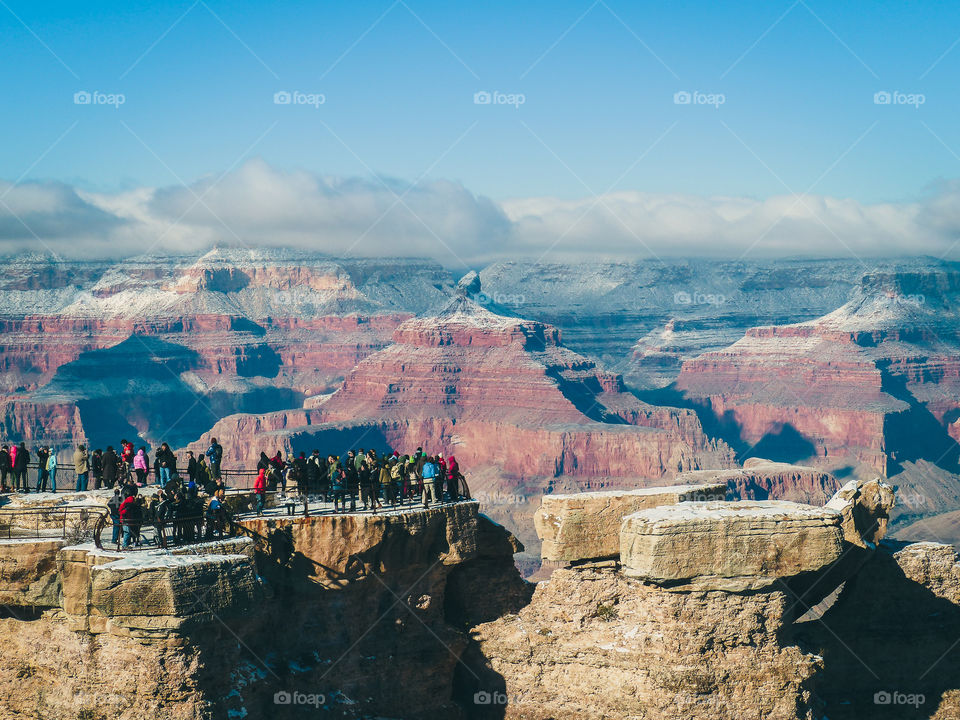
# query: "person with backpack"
(429, 481)
(214, 456)
(81, 466)
(314, 473)
(387, 483)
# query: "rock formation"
(354, 614)
(731, 610)
(876, 379)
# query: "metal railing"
(169, 533)
(76, 523)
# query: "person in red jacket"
(260, 489)
(127, 512)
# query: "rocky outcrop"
(761, 479)
(741, 545)
(713, 610)
(865, 509)
(362, 614)
(586, 526)
(875, 380)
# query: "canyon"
(670, 603)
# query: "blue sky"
(596, 98)
(784, 102)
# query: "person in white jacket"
(52, 469)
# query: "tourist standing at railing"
(338, 482)
(453, 479)
(260, 490)
(168, 463)
(42, 456)
(6, 467)
(429, 481)
(191, 466)
(96, 468)
(111, 464)
(214, 456)
(81, 466)
(140, 466)
(315, 474)
(20, 463)
(52, 469)
(113, 506)
(387, 483)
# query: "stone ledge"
(586, 526)
(731, 546)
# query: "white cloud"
(258, 205)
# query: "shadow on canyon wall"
(887, 638)
(783, 443)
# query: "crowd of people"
(190, 498)
(375, 480)
(105, 468)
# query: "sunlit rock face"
(161, 348)
(877, 379)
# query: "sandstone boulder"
(865, 507)
(586, 526)
(729, 546)
(28, 572)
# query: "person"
(429, 481)
(365, 481)
(260, 490)
(42, 457)
(140, 466)
(6, 467)
(111, 465)
(352, 481)
(315, 474)
(13, 462)
(168, 463)
(52, 469)
(453, 479)
(201, 475)
(338, 482)
(191, 466)
(128, 516)
(81, 466)
(277, 465)
(20, 463)
(96, 467)
(301, 478)
(113, 506)
(388, 482)
(214, 456)
(215, 515)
